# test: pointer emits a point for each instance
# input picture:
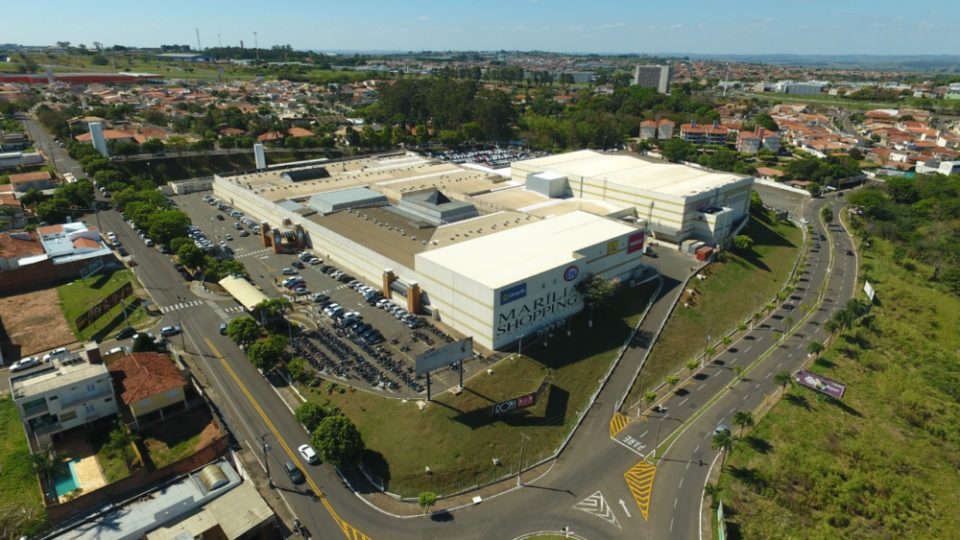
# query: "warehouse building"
(677, 202)
(494, 257)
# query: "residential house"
(67, 393)
(24, 182)
(149, 384)
(698, 134)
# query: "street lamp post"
(520, 465)
(266, 461)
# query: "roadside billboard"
(868, 289)
(444, 356)
(520, 402)
(820, 383)
(104, 306)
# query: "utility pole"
(266, 462)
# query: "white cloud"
(423, 18)
(676, 26)
(614, 25)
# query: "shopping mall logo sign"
(513, 293)
(571, 273)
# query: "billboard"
(521, 402)
(820, 384)
(513, 293)
(635, 242)
(444, 356)
(103, 306)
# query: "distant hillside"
(945, 63)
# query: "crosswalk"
(253, 253)
(221, 311)
(597, 506)
(181, 305)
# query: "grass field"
(457, 437)
(733, 290)
(21, 504)
(178, 438)
(884, 463)
(80, 295)
(112, 464)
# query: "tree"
(827, 214)
(426, 500)
(266, 353)
(743, 420)
(692, 364)
(297, 368)
(338, 441)
(742, 242)
(672, 380)
(270, 312)
(120, 443)
(190, 255)
(723, 442)
(310, 414)
(784, 379)
(165, 225)
(650, 396)
(677, 150)
(815, 348)
(44, 462)
(244, 331)
(596, 291)
(766, 121)
(152, 146)
(714, 491)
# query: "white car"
(25, 363)
(55, 354)
(309, 455)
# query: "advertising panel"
(613, 246)
(103, 306)
(444, 356)
(522, 402)
(513, 293)
(635, 242)
(820, 383)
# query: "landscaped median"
(732, 290)
(458, 437)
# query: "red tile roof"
(15, 246)
(29, 177)
(145, 374)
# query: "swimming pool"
(65, 479)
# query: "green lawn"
(733, 290)
(21, 503)
(884, 463)
(456, 435)
(113, 465)
(176, 438)
(80, 295)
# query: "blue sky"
(645, 26)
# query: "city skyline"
(811, 27)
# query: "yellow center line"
(348, 530)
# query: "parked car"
(309, 455)
(296, 263)
(220, 217)
(25, 363)
(56, 353)
(125, 333)
(223, 328)
(294, 472)
(167, 331)
(288, 271)
(244, 234)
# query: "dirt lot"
(34, 322)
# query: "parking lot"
(345, 344)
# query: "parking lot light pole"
(520, 464)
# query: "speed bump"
(640, 482)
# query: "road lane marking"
(351, 532)
(682, 402)
(618, 423)
(639, 480)
(701, 387)
(624, 506)
(596, 505)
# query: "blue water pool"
(65, 480)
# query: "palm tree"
(722, 441)
(784, 379)
(714, 491)
(815, 348)
(743, 420)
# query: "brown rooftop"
(144, 374)
(29, 177)
(16, 245)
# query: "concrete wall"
(42, 275)
(157, 402)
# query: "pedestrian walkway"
(255, 253)
(181, 305)
(223, 311)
